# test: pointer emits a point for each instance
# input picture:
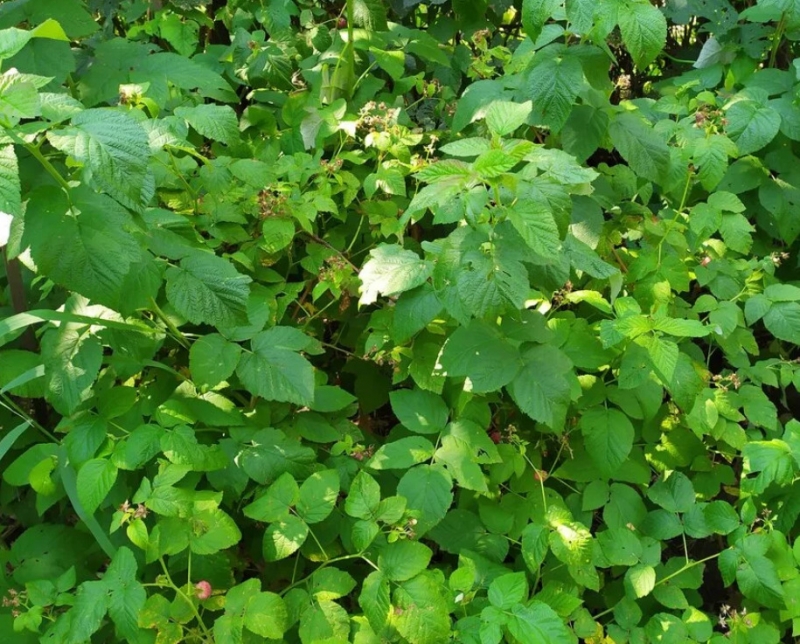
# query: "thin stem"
(185, 597)
(191, 152)
(355, 237)
(324, 564)
(37, 154)
(688, 566)
(327, 244)
(9, 404)
(172, 328)
(776, 43)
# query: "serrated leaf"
(266, 615)
(538, 623)
(403, 560)
(213, 359)
(535, 14)
(508, 590)
(751, 126)
(402, 453)
(642, 579)
(283, 538)
(375, 599)
(480, 353)
(217, 122)
(644, 31)
(95, 480)
(503, 118)
(391, 270)
(88, 249)
(608, 436)
(553, 85)
(276, 372)
(639, 144)
(10, 198)
(783, 321)
(420, 411)
(370, 14)
(536, 224)
(113, 149)
(208, 289)
(540, 388)
(276, 502)
(428, 490)
(318, 495)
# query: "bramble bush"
(367, 321)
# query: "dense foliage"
(397, 321)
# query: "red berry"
(203, 590)
(496, 437)
(342, 23)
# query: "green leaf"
(283, 538)
(363, 498)
(553, 85)
(91, 605)
(217, 122)
(642, 579)
(113, 149)
(640, 145)
(375, 599)
(423, 616)
(620, 546)
(419, 411)
(95, 480)
(536, 224)
(608, 436)
(711, 158)
(402, 454)
(271, 454)
(318, 495)
(213, 359)
(370, 14)
(720, 517)
(88, 249)
(275, 371)
(540, 389)
(644, 31)
(673, 492)
(663, 356)
(72, 359)
(480, 353)
(538, 623)
(783, 321)
(502, 118)
(758, 580)
(403, 560)
(509, 590)
(208, 289)
(10, 198)
(751, 126)
(330, 399)
(535, 14)
(276, 502)
(266, 615)
(391, 270)
(428, 490)
(535, 545)
(12, 40)
(126, 596)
